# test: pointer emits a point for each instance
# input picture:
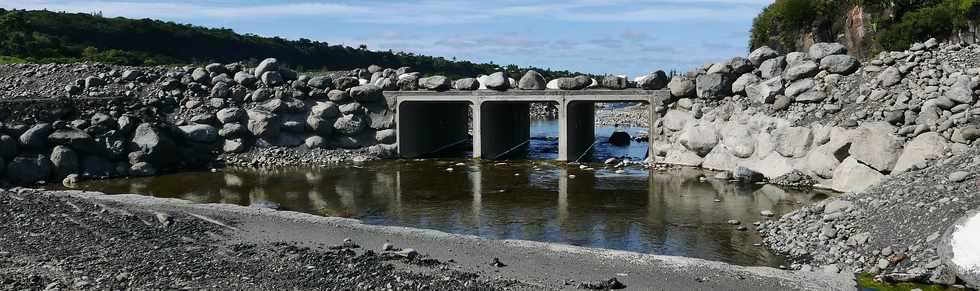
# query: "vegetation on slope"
(44, 36)
(893, 25)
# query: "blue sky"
(603, 37)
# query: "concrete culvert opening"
(621, 131)
(435, 129)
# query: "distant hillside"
(44, 36)
(864, 26)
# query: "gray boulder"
(236, 145)
(230, 115)
(29, 170)
(800, 70)
(246, 79)
(267, 65)
(738, 87)
(772, 68)
(320, 82)
(64, 161)
(338, 96)
(740, 65)
(658, 80)
(765, 92)
(201, 76)
(366, 93)
(875, 145)
(344, 83)
(700, 139)
(36, 137)
(577, 83)
(762, 54)
(387, 136)
(792, 141)
(76, 139)
(497, 81)
(349, 125)
(890, 77)
(532, 80)
(713, 86)
(201, 133)
(614, 82)
(435, 83)
(799, 86)
(466, 84)
(924, 147)
(840, 64)
(262, 95)
(962, 90)
(823, 49)
(233, 130)
(852, 176)
(159, 148)
(272, 78)
(408, 83)
(263, 124)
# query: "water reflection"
(670, 213)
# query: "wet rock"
(8, 147)
(497, 263)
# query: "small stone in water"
(570, 176)
(767, 213)
(734, 222)
(620, 171)
(741, 228)
(460, 164)
(449, 169)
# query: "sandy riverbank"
(251, 248)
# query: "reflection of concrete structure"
(431, 121)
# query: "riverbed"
(681, 212)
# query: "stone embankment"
(821, 116)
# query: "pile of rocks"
(842, 125)
(893, 229)
(186, 117)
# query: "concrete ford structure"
(430, 121)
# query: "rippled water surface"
(670, 213)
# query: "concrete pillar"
(429, 127)
(576, 129)
(503, 128)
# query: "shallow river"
(669, 213)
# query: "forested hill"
(45, 36)
(864, 26)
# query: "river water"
(673, 212)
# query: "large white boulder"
(852, 176)
(876, 146)
(926, 146)
(792, 142)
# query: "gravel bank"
(893, 228)
(91, 241)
